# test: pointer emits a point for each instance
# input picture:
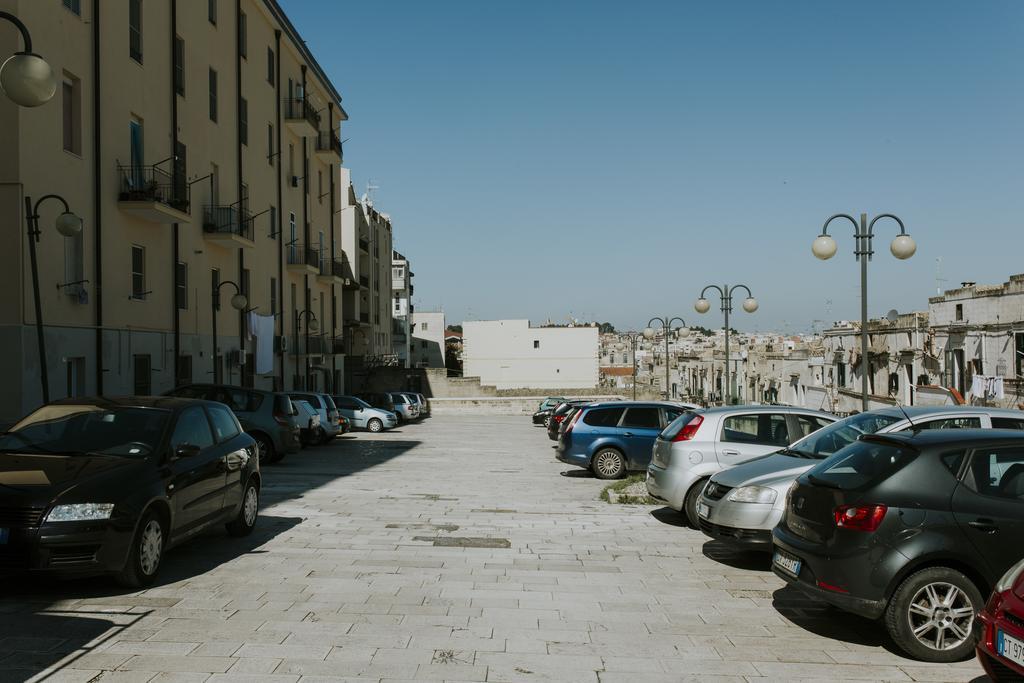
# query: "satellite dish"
(892, 315)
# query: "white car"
(364, 416)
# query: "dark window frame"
(135, 30)
(213, 95)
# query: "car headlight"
(1010, 578)
(753, 494)
(80, 512)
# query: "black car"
(106, 485)
(542, 417)
(912, 527)
(561, 413)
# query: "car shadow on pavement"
(827, 621)
(578, 474)
(30, 643)
(667, 515)
(735, 557)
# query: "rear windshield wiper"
(798, 454)
(822, 482)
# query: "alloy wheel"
(375, 425)
(250, 506)
(608, 464)
(151, 547)
(941, 616)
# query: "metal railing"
(332, 267)
(300, 255)
(301, 109)
(328, 141)
(152, 184)
(364, 245)
(227, 220)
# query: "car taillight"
(558, 418)
(688, 432)
(572, 422)
(859, 517)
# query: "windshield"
(85, 430)
(837, 435)
(861, 464)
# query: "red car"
(999, 628)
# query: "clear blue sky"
(609, 159)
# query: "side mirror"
(186, 450)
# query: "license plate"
(1010, 647)
(703, 510)
(4, 535)
(788, 564)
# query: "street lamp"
(311, 326)
(666, 326)
(634, 339)
(25, 77)
(902, 247)
(68, 225)
(702, 305)
(238, 302)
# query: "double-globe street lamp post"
(25, 77)
(702, 305)
(238, 302)
(902, 247)
(665, 324)
(634, 339)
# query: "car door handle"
(984, 524)
(627, 434)
(730, 452)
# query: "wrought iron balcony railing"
(227, 220)
(153, 184)
(328, 141)
(300, 108)
(300, 255)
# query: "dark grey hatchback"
(105, 485)
(913, 527)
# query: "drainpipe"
(280, 210)
(242, 201)
(97, 199)
(175, 250)
(334, 301)
(305, 230)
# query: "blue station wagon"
(613, 438)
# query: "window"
(997, 472)
(179, 66)
(225, 426)
(641, 418)
(862, 463)
(672, 413)
(894, 383)
(270, 144)
(143, 381)
(423, 326)
(1019, 354)
(243, 35)
(602, 417)
(193, 429)
(243, 120)
(959, 312)
(840, 375)
(72, 106)
(291, 163)
(536, 343)
(74, 5)
(184, 370)
(212, 11)
(213, 95)
(181, 285)
(74, 264)
(320, 186)
(270, 66)
(763, 428)
(809, 424)
(273, 296)
(135, 30)
(136, 150)
(76, 377)
(947, 423)
(292, 233)
(138, 272)
(1007, 423)
(215, 287)
(273, 221)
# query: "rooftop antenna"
(938, 276)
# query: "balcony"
(331, 271)
(151, 194)
(303, 259)
(228, 226)
(349, 281)
(364, 244)
(364, 318)
(301, 118)
(328, 147)
(364, 282)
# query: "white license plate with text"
(703, 510)
(788, 564)
(1010, 647)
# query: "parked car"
(344, 424)
(999, 628)
(421, 401)
(542, 416)
(107, 485)
(324, 406)
(562, 412)
(267, 416)
(551, 402)
(612, 438)
(309, 423)
(913, 526)
(364, 416)
(406, 408)
(381, 400)
(704, 442)
(743, 504)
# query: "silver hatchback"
(742, 505)
(704, 442)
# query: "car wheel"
(547, 422)
(931, 614)
(265, 449)
(375, 425)
(145, 553)
(608, 463)
(690, 503)
(245, 522)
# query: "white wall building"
(510, 354)
(427, 331)
(401, 307)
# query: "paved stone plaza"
(453, 550)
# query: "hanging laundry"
(261, 328)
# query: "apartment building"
(428, 339)
(199, 141)
(401, 308)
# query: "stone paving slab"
(457, 549)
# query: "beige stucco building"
(199, 141)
